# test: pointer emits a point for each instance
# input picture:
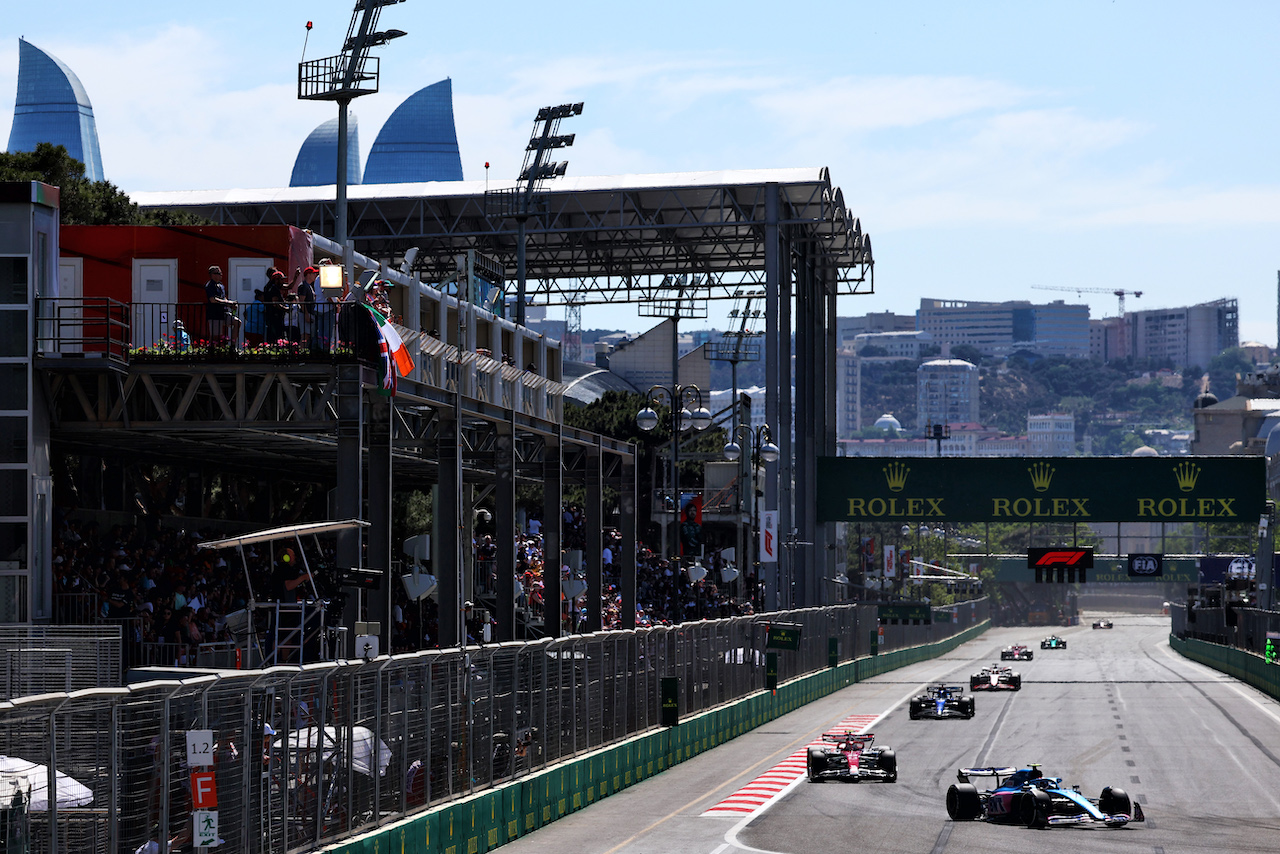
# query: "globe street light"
(762, 449)
(680, 397)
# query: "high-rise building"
(52, 106)
(1003, 328)
(947, 392)
(1186, 336)
(419, 142)
(317, 162)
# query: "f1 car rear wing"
(964, 774)
(862, 739)
(954, 689)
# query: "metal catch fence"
(1242, 628)
(305, 755)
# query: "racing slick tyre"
(1035, 808)
(1115, 801)
(814, 765)
(1016, 682)
(1030, 656)
(966, 706)
(888, 763)
(963, 803)
(914, 710)
(974, 681)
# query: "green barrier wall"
(1244, 666)
(488, 819)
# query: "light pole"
(682, 418)
(761, 448)
(937, 432)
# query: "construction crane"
(1121, 294)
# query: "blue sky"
(986, 147)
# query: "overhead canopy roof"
(595, 239)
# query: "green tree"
(83, 202)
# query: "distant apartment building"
(1052, 435)
(897, 345)
(946, 392)
(967, 440)
(882, 321)
(849, 369)
(1003, 328)
(1186, 336)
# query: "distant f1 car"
(1017, 652)
(996, 677)
(941, 701)
(852, 757)
(1103, 624)
(1053, 642)
(1025, 796)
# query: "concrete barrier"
(1245, 666)
(486, 820)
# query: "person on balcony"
(220, 312)
(273, 306)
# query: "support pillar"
(625, 560)
(504, 524)
(552, 498)
(349, 494)
(378, 604)
(777, 353)
(446, 536)
(594, 523)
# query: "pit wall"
(1245, 666)
(486, 820)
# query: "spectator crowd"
(170, 596)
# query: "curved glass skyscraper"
(53, 107)
(419, 141)
(317, 162)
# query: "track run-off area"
(1199, 750)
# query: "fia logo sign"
(1145, 566)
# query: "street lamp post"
(682, 418)
(937, 432)
(761, 448)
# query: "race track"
(1200, 751)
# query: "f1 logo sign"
(1061, 558)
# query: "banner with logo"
(1146, 566)
(890, 561)
(769, 536)
(1051, 489)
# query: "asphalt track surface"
(1199, 750)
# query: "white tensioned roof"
(606, 233)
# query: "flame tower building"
(52, 106)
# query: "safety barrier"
(490, 819)
(1245, 666)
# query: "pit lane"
(1114, 708)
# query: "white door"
(244, 276)
(67, 312)
(155, 302)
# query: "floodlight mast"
(342, 78)
(521, 201)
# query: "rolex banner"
(1047, 489)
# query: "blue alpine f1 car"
(1025, 796)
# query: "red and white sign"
(890, 561)
(769, 536)
(204, 790)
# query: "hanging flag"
(395, 355)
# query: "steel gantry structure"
(623, 239)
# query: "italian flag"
(394, 352)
